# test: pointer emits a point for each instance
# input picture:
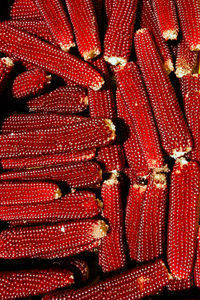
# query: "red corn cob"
(148, 20)
(48, 160)
(192, 111)
(133, 215)
(67, 99)
(87, 134)
(111, 158)
(152, 221)
(189, 17)
(82, 15)
(190, 82)
(30, 242)
(165, 13)
(132, 149)
(129, 83)
(24, 283)
(119, 34)
(28, 122)
(15, 193)
(25, 10)
(186, 60)
(38, 28)
(82, 174)
(197, 264)
(180, 284)
(82, 266)
(6, 66)
(28, 48)
(133, 284)
(74, 206)
(175, 136)
(29, 83)
(111, 253)
(183, 217)
(57, 21)
(108, 5)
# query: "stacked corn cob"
(64, 187)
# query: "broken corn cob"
(183, 217)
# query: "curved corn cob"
(132, 148)
(197, 264)
(130, 83)
(133, 284)
(152, 219)
(25, 10)
(87, 134)
(134, 204)
(189, 83)
(48, 160)
(148, 20)
(176, 284)
(192, 112)
(82, 15)
(186, 60)
(28, 48)
(67, 99)
(82, 174)
(80, 205)
(175, 136)
(119, 34)
(6, 66)
(165, 12)
(24, 283)
(183, 217)
(189, 17)
(111, 252)
(17, 193)
(30, 242)
(28, 122)
(31, 82)
(57, 22)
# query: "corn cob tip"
(97, 86)
(8, 61)
(113, 179)
(168, 65)
(58, 193)
(140, 187)
(160, 180)
(112, 128)
(170, 34)
(92, 53)
(141, 30)
(99, 202)
(84, 100)
(181, 152)
(182, 161)
(163, 169)
(196, 48)
(48, 79)
(113, 60)
(66, 48)
(100, 229)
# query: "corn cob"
(87, 134)
(186, 60)
(111, 252)
(6, 66)
(183, 217)
(132, 149)
(119, 34)
(30, 242)
(111, 158)
(82, 267)
(48, 160)
(176, 284)
(151, 227)
(82, 174)
(148, 20)
(66, 99)
(189, 82)
(129, 83)
(133, 284)
(30, 122)
(25, 10)
(175, 136)
(28, 48)
(130, 173)
(197, 263)
(57, 22)
(15, 193)
(82, 14)
(165, 12)
(24, 283)
(189, 17)
(192, 111)
(74, 206)
(108, 6)
(30, 83)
